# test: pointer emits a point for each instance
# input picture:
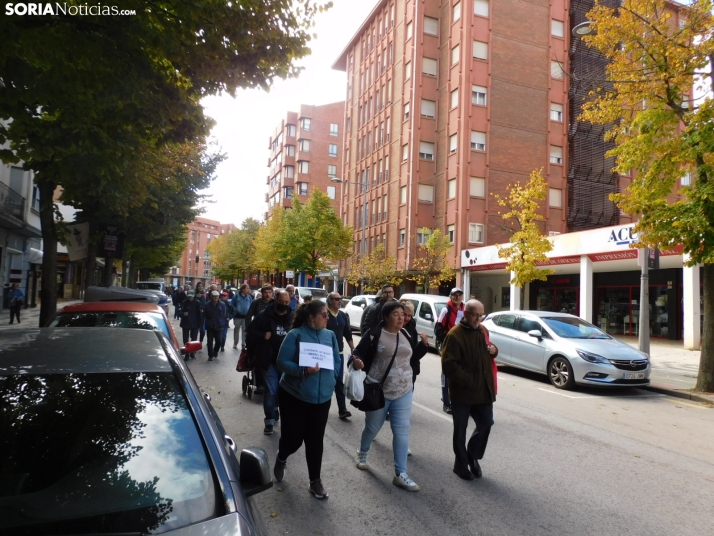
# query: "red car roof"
(112, 306)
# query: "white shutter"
(431, 26)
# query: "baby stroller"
(252, 380)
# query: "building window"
(556, 112)
(305, 123)
(334, 129)
(331, 192)
(455, 98)
(426, 150)
(292, 130)
(556, 70)
(431, 26)
(288, 192)
(333, 149)
(557, 28)
(304, 146)
(407, 107)
(289, 150)
(304, 167)
(426, 193)
(480, 50)
(428, 66)
(478, 141)
(35, 198)
(555, 197)
(302, 188)
(478, 95)
(481, 8)
(331, 171)
(410, 29)
(475, 233)
(403, 195)
(453, 143)
(686, 180)
(477, 187)
(402, 237)
(405, 152)
(456, 12)
(455, 54)
(428, 108)
(289, 172)
(451, 233)
(408, 69)
(451, 188)
(423, 236)
(556, 155)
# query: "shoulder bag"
(373, 398)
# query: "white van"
(426, 312)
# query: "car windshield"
(100, 453)
(570, 327)
(439, 306)
(109, 319)
(316, 292)
(148, 286)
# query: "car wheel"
(560, 373)
(245, 384)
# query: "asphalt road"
(583, 462)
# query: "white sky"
(244, 124)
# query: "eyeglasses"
(387, 292)
(336, 299)
(323, 314)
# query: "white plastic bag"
(354, 384)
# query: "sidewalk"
(29, 318)
(674, 369)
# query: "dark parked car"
(104, 431)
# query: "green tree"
(234, 253)
(312, 236)
(528, 245)
(79, 95)
(431, 264)
(374, 270)
(663, 132)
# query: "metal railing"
(11, 202)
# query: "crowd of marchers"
(271, 329)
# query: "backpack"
(440, 330)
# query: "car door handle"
(207, 397)
(231, 443)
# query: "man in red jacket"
(448, 318)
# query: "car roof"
(137, 307)
(82, 350)
(540, 314)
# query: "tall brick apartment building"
(199, 235)
(305, 153)
(449, 101)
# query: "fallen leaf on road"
(614, 412)
(279, 489)
(274, 514)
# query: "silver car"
(566, 348)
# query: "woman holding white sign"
(309, 359)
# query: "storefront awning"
(35, 256)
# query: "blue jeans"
(271, 377)
(224, 334)
(400, 412)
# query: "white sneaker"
(362, 461)
(403, 481)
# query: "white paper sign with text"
(312, 354)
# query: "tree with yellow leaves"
(660, 101)
(374, 270)
(267, 252)
(528, 245)
(431, 265)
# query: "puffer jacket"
(316, 388)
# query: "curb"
(687, 395)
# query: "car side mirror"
(192, 347)
(254, 471)
(536, 333)
(427, 316)
(362, 306)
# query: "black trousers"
(214, 341)
(15, 312)
(189, 332)
(482, 415)
(302, 422)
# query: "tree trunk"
(108, 271)
(705, 380)
(131, 280)
(48, 294)
(91, 262)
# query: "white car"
(355, 308)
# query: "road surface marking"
(684, 403)
(440, 415)
(563, 394)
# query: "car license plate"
(634, 375)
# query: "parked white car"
(355, 309)
(427, 308)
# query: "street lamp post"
(364, 203)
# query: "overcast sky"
(244, 124)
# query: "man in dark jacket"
(448, 318)
(466, 361)
(373, 316)
(339, 323)
(190, 319)
(266, 334)
(215, 315)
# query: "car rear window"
(148, 286)
(316, 292)
(134, 320)
(100, 453)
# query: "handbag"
(373, 393)
(242, 365)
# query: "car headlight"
(592, 358)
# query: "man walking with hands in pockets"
(466, 359)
